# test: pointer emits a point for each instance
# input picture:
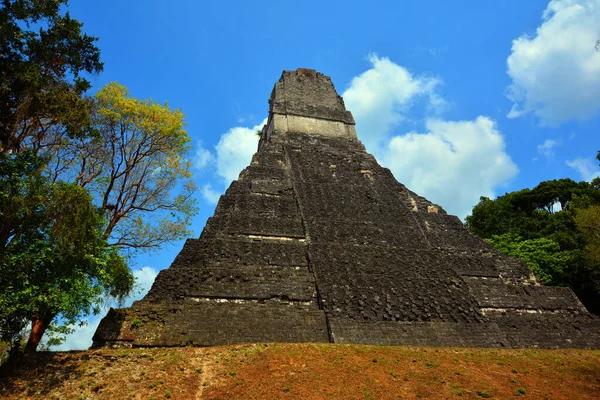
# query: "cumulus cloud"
(381, 97)
(81, 338)
(234, 151)
(453, 163)
(144, 278)
(210, 195)
(586, 167)
(546, 149)
(556, 72)
(203, 157)
(230, 156)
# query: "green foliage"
(559, 245)
(130, 187)
(54, 259)
(21, 189)
(543, 256)
(56, 262)
(136, 323)
(41, 87)
(588, 222)
(530, 213)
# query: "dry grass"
(307, 371)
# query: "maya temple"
(316, 242)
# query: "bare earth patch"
(307, 371)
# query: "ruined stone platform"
(316, 242)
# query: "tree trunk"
(38, 328)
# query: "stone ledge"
(206, 324)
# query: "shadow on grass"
(38, 374)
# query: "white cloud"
(556, 72)
(547, 148)
(144, 278)
(381, 97)
(203, 157)
(234, 151)
(453, 164)
(81, 338)
(231, 155)
(209, 194)
(587, 167)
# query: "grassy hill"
(306, 371)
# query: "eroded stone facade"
(316, 242)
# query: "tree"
(138, 179)
(588, 222)
(127, 156)
(557, 243)
(43, 57)
(41, 87)
(57, 261)
(530, 214)
(135, 167)
(543, 256)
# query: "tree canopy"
(135, 167)
(55, 260)
(41, 82)
(128, 186)
(554, 228)
(44, 57)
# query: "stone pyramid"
(316, 242)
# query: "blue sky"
(459, 99)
